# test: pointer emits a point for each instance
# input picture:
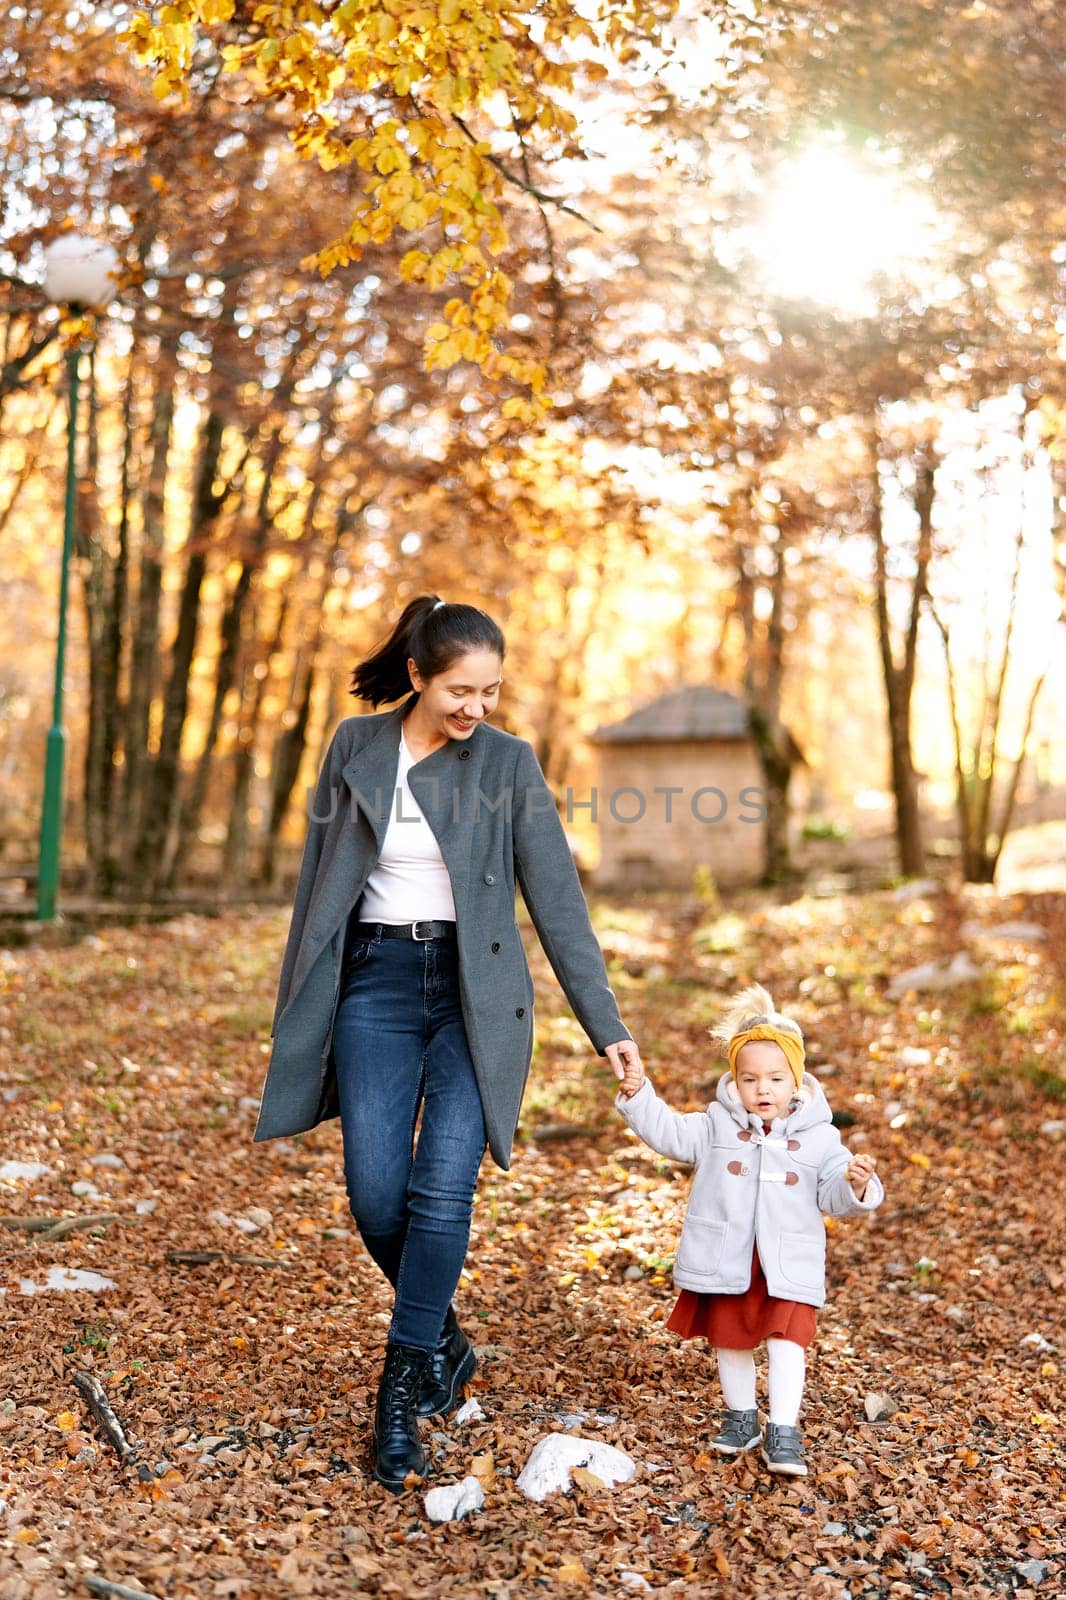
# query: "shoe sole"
(785, 1469)
(737, 1449)
(462, 1375)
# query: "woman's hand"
(628, 1067)
(859, 1171)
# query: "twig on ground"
(100, 1406)
(120, 1591)
(65, 1225)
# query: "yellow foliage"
(440, 63)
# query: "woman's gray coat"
(754, 1187)
(495, 821)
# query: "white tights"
(787, 1364)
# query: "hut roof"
(698, 712)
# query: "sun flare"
(833, 226)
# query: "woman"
(405, 985)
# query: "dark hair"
(433, 635)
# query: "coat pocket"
(802, 1259)
(702, 1245)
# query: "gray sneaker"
(739, 1432)
(782, 1450)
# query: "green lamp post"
(79, 274)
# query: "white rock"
(934, 975)
(913, 1056)
(1038, 1342)
(554, 1458)
(85, 1190)
(222, 1218)
(15, 1171)
(144, 1208)
(67, 1278)
(1053, 1128)
(259, 1216)
(454, 1501)
(469, 1411)
(917, 889)
(108, 1160)
(633, 1580)
(245, 1225)
(833, 1530)
(880, 1405)
(1023, 932)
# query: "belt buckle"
(421, 938)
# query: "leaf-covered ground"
(246, 1380)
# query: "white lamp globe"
(80, 271)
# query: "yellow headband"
(790, 1043)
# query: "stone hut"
(680, 787)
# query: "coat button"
(464, 755)
(496, 949)
(521, 1011)
(489, 878)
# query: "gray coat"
(754, 1188)
(495, 821)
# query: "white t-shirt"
(410, 882)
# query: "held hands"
(628, 1067)
(859, 1171)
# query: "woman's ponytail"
(433, 635)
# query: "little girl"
(751, 1262)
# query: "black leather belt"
(421, 932)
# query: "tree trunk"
(144, 646)
(97, 591)
(899, 675)
(162, 787)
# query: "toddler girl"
(751, 1261)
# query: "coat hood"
(809, 1106)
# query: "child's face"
(764, 1079)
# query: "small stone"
(1038, 1342)
(880, 1405)
(633, 1275)
(108, 1160)
(221, 1218)
(916, 889)
(1032, 1571)
(17, 1171)
(249, 1102)
(67, 1279)
(1054, 1129)
(85, 1190)
(914, 1056)
(833, 1530)
(469, 1411)
(554, 1458)
(144, 1208)
(245, 1225)
(934, 975)
(454, 1501)
(336, 1233)
(633, 1580)
(259, 1216)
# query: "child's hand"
(859, 1171)
(634, 1077)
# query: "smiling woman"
(833, 223)
(405, 990)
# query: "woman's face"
(464, 694)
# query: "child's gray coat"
(495, 821)
(753, 1188)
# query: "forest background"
(700, 344)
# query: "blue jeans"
(399, 1044)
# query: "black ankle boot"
(397, 1448)
(450, 1366)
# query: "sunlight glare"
(832, 227)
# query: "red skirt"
(742, 1321)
